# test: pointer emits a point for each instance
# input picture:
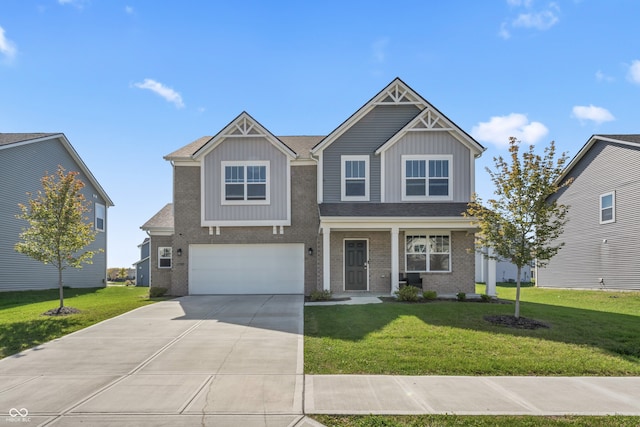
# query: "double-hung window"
(426, 177)
(245, 183)
(355, 178)
(428, 253)
(101, 214)
(608, 208)
(164, 257)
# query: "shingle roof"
(301, 145)
(627, 138)
(162, 220)
(12, 138)
(450, 209)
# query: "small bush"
(157, 291)
(407, 293)
(429, 295)
(461, 296)
(129, 283)
(324, 295)
(485, 298)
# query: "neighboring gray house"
(602, 236)
(505, 271)
(143, 267)
(24, 159)
(379, 197)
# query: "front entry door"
(355, 265)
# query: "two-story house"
(24, 159)
(379, 197)
(602, 235)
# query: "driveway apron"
(212, 360)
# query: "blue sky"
(131, 81)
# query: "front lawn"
(591, 333)
(22, 324)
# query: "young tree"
(522, 224)
(58, 231)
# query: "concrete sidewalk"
(380, 394)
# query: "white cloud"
(7, 47)
(542, 20)
(499, 128)
(504, 31)
(162, 90)
(128, 10)
(602, 77)
(77, 3)
(634, 72)
(596, 114)
(525, 3)
(379, 49)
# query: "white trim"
(383, 223)
(288, 190)
(426, 159)
(170, 257)
(252, 223)
(245, 164)
(395, 256)
(613, 207)
(343, 179)
(383, 178)
(319, 173)
(344, 263)
(427, 233)
(104, 217)
(326, 258)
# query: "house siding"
(428, 143)
(304, 225)
(363, 138)
(21, 170)
(162, 277)
(245, 149)
(593, 250)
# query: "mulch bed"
(61, 311)
(510, 321)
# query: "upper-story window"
(101, 214)
(355, 178)
(426, 177)
(608, 208)
(245, 182)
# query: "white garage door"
(246, 269)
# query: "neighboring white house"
(505, 271)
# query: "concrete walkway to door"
(205, 360)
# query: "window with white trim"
(101, 214)
(164, 257)
(608, 208)
(245, 182)
(428, 253)
(355, 178)
(426, 177)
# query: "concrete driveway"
(205, 360)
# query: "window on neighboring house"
(164, 257)
(101, 213)
(428, 253)
(426, 177)
(608, 208)
(245, 183)
(355, 178)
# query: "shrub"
(324, 295)
(407, 293)
(157, 291)
(485, 298)
(429, 295)
(461, 296)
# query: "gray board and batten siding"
(428, 143)
(595, 251)
(246, 149)
(22, 167)
(364, 138)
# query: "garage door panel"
(246, 269)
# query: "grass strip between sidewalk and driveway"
(23, 326)
(591, 333)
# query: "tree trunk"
(60, 287)
(517, 315)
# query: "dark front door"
(355, 265)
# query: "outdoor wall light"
(310, 251)
(179, 251)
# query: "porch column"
(395, 268)
(326, 258)
(491, 274)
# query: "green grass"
(592, 333)
(22, 324)
(476, 421)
